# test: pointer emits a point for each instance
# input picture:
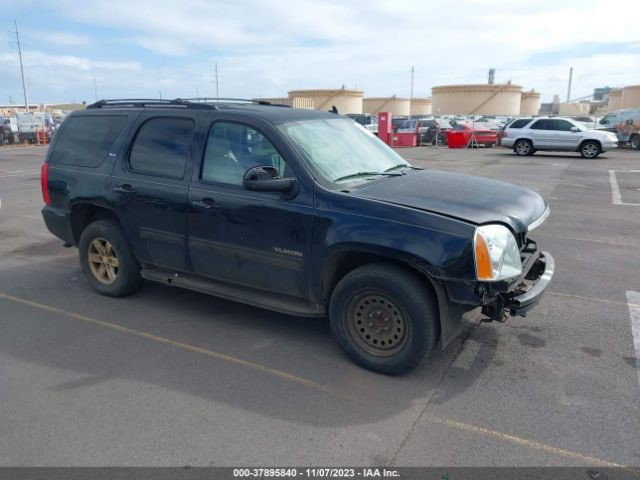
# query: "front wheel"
(590, 150)
(634, 142)
(107, 260)
(384, 318)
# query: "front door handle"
(126, 189)
(206, 203)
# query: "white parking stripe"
(616, 196)
(19, 174)
(634, 313)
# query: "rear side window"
(161, 147)
(86, 139)
(544, 124)
(520, 123)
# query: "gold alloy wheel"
(103, 261)
(376, 323)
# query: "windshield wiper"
(401, 165)
(363, 174)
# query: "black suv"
(298, 211)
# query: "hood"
(477, 200)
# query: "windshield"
(341, 149)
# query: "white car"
(556, 134)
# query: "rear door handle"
(126, 189)
(206, 203)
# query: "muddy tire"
(107, 260)
(384, 317)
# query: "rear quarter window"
(85, 140)
(520, 123)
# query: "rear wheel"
(384, 318)
(590, 149)
(634, 142)
(523, 148)
(107, 260)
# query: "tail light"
(44, 183)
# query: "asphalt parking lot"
(173, 377)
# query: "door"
(150, 188)
(567, 139)
(255, 239)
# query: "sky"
(76, 51)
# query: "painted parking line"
(616, 196)
(183, 346)
(310, 383)
(525, 442)
(19, 174)
(633, 299)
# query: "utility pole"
(24, 85)
(569, 88)
(217, 82)
(411, 94)
(95, 88)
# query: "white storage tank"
(396, 105)
(615, 100)
(631, 96)
(345, 100)
(478, 99)
(420, 106)
(530, 103)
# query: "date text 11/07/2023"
(316, 472)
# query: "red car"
(460, 136)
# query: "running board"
(249, 296)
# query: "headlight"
(496, 253)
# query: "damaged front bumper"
(528, 291)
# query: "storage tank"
(530, 103)
(396, 105)
(615, 100)
(420, 106)
(480, 99)
(631, 96)
(345, 100)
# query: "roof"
(272, 113)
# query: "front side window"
(233, 148)
(161, 147)
(564, 126)
(339, 149)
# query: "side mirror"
(265, 178)
(575, 129)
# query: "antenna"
(24, 85)
(95, 87)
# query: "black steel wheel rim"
(376, 323)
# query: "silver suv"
(527, 135)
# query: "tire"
(589, 149)
(118, 278)
(523, 148)
(634, 142)
(393, 299)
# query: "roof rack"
(215, 101)
(145, 102)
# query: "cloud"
(62, 39)
(265, 48)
